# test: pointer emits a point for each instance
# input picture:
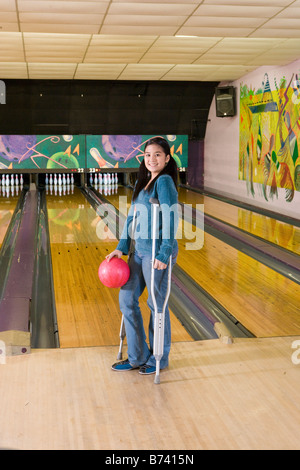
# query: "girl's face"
(155, 159)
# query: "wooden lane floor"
(87, 312)
(7, 207)
(280, 233)
(213, 396)
(262, 300)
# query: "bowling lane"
(280, 233)
(8, 202)
(262, 300)
(87, 312)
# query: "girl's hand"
(159, 265)
(114, 253)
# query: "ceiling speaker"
(225, 101)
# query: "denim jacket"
(164, 190)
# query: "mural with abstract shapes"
(65, 152)
(39, 152)
(270, 137)
(126, 151)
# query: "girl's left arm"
(168, 199)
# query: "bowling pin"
(21, 179)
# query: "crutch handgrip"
(153, 200)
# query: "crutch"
(122, 328)
(122, 336)
(159, 318)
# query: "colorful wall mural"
(81, 152)
(39, 152)
(126, 151)
(270, 136)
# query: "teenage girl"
(157, 178)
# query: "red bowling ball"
(114, 273)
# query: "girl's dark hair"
(144, 175)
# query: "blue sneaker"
(147, 370)
(123, 366)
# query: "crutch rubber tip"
(119, 356)
(157, 379)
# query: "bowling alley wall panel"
(62, 153)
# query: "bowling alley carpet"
(243, 395)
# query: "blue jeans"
(140, 277)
